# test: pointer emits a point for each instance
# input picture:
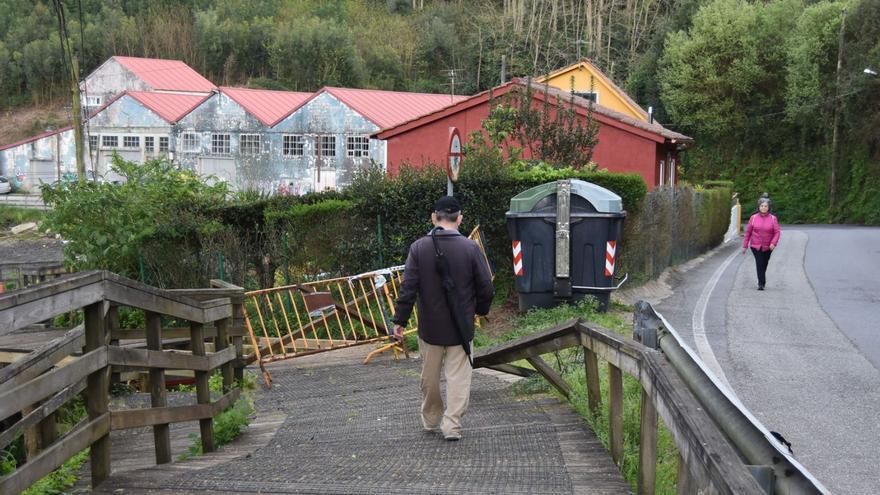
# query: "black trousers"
(762, 259)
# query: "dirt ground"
(23, 122)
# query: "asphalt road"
(803, 355)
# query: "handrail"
(48, 377)
(70, 293)
(711, 462)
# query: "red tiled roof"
(167, 75)
(390, 108)
(269, 106)
(169, 106)
(34, 138)
(580, 104)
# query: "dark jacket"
(422, 282)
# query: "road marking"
(698, 323)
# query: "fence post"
(158, 393)
(591, 368)
(615, 412)
(238, 339)
(97, 391)
(220, 344)
(203, 393)
(113, 324)
(647, 446)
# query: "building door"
(325, 162)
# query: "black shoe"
(760, 287)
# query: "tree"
(311, 52)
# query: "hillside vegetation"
(754, 82)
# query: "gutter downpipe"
(752, 440)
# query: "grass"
(11, 216)
(569, 363)
(229, 424)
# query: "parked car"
(5, 185)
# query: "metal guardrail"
(769, 460)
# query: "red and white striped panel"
(517, 259)
(610, 250)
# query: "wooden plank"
(27, 313)
(550, 375)
(144, 358)
(132, 293)
(647, 446)
(711, 458)
(203, 393)
(51, 288)
(74, 442)
(612, 347)
(513, 370)
(41, 359)
(138, 418)
(553, 339)
(51, 383)
(98, 390)
(615, 413)
(158, 391)
(591, 370)
(44, 410)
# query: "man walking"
(440, 343)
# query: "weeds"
(229, 424)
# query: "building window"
(191, 142)
(93, 143)
(131, 141)
(163, 144)
(293, 145)
(357, 146)
(149, 144)
(110, 141)
(249, 144)
(327, 145)
(220, 144)
(93, 101)
(588, 95)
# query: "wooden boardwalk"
(331, 425)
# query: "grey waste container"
(566, 237)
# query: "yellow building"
(589, 82)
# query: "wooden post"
(615, 412)
(203, 393)
(158, 392)
(48, 431)
(238, 340)
(31, 436)
(591, 368)
(648, 446)
(221, 343)
(685, 482)
(113, 324)
(97, 391)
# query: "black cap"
(447, 204)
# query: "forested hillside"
(756, 83)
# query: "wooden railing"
(37, 385)
(708, 462)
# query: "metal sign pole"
(448, 186)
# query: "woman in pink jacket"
(762, 235)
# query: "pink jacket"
(762, 231)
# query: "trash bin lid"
(603, 200)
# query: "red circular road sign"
(455, 156)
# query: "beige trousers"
(458, 386)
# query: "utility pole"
(69, 60)
(835, 140)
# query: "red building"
(625, 144)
